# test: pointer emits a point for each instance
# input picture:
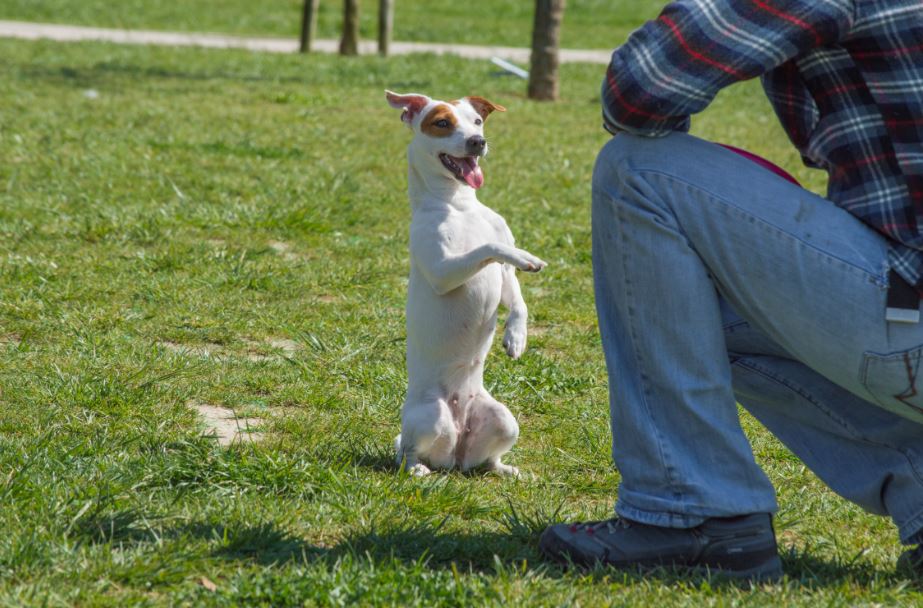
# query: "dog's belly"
(449, 333)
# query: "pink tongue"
(471, 172)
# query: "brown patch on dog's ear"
(411, 104)
(484, 107)
(439, 122)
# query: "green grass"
(587, 23)
(152, 215)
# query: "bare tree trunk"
(385, 25)
(308, 25)
(543, 76)
(349, 43)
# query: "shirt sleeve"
(673, 66)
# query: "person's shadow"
(509, 547)
(511, 550)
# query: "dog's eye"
(478, 121)
(442, 124)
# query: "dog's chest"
(463, 231)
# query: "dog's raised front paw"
(525, 261)
(514, 341)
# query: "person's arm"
(674, 66)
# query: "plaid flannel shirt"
(845, 78)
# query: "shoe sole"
(769, 571)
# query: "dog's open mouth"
(464, 169)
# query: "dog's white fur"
(463, 264)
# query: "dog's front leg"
(446, 272)
(514, 338)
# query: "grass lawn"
(170, 217)
(587, 23)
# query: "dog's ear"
(484, 107)
(411, 104)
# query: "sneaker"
(739, 547)
(910, 562)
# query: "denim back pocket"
(895, 381)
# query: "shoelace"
(610, 525)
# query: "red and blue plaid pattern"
(845, 79)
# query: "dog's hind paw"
(506, 470)
(419, 470)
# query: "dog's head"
(448, 135)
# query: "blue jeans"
(718, 282)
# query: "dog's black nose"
(475, 144)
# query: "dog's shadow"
(382, 460)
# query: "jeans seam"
(659, 518)
(730, 327)
(870, 356)
(748, 363)
(917, 522)
(664, 460)
(854, 434)
(880, 280)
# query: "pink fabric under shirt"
(763, 163)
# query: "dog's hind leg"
(428, 434)
(492, 431)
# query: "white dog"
(462, 265)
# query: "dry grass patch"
(284, 250)
(257, 349)
(208, 349)
(11, 339)
(227, 428)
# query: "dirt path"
(70, 33)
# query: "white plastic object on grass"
(509, 67)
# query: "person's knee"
(625, 154)
(611, 157)
(615, 175)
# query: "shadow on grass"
(375, 460)
(811, 571)
(120, 526)
(264, 543)
(512, 552)
(517, 550)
